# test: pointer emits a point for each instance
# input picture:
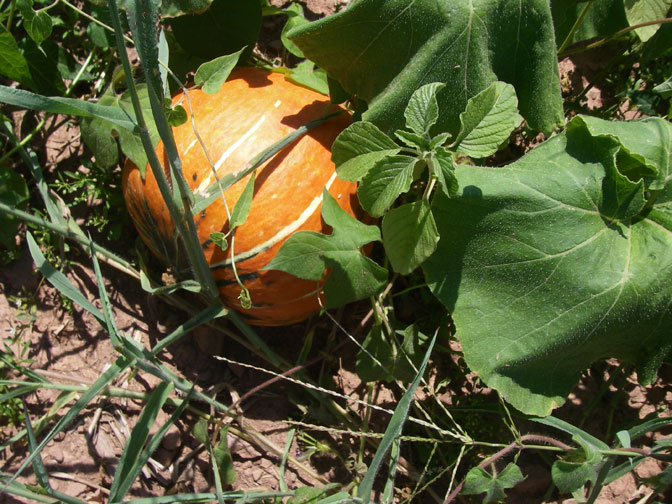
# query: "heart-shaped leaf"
(546, 270)
(488, 121)
(101, 135)
(214, 73)
(358, 147)
(383, 50)
(409, 235)
(480, 481)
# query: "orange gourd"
(254, 109)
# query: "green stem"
(53, 4)
(40, 125)
(613, 36)
(575, 27)
(187, 232)
(10, 17)
(26, 139)
(102, 253)
(93, 19)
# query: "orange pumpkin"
(254, 109)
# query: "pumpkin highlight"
(253, 110)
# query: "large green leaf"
(548, 267)
(383, 50)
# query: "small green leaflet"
(38, 25)
(387, 179)
(219, 239)
(422, 111)
(307, 75)
(214, 73)
(560, 259)
(14, 193)
(295, 18)
(224, 461)
(219, 452)
(576, 468)
(242, 207)
(409, 235)
(443, 168)
(664, 89)
(480, 481)
(358, 147)
(175, 115)
(641, 11)
(488, 120)
(317, 495)
(307, 255)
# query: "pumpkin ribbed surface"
(253, 110)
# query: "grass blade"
(66, 106)
(388, 492)
(156, 440)
(394, 428)
(59, 280)
(129, 464)
(209, 497)
(210, 313)
(103, 380)
(182, 217)
(105, 301)
(21, 490)
(38, 467)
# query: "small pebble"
(56, 456)
(257, 474)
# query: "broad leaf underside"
(541, 273)
(381, 51)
